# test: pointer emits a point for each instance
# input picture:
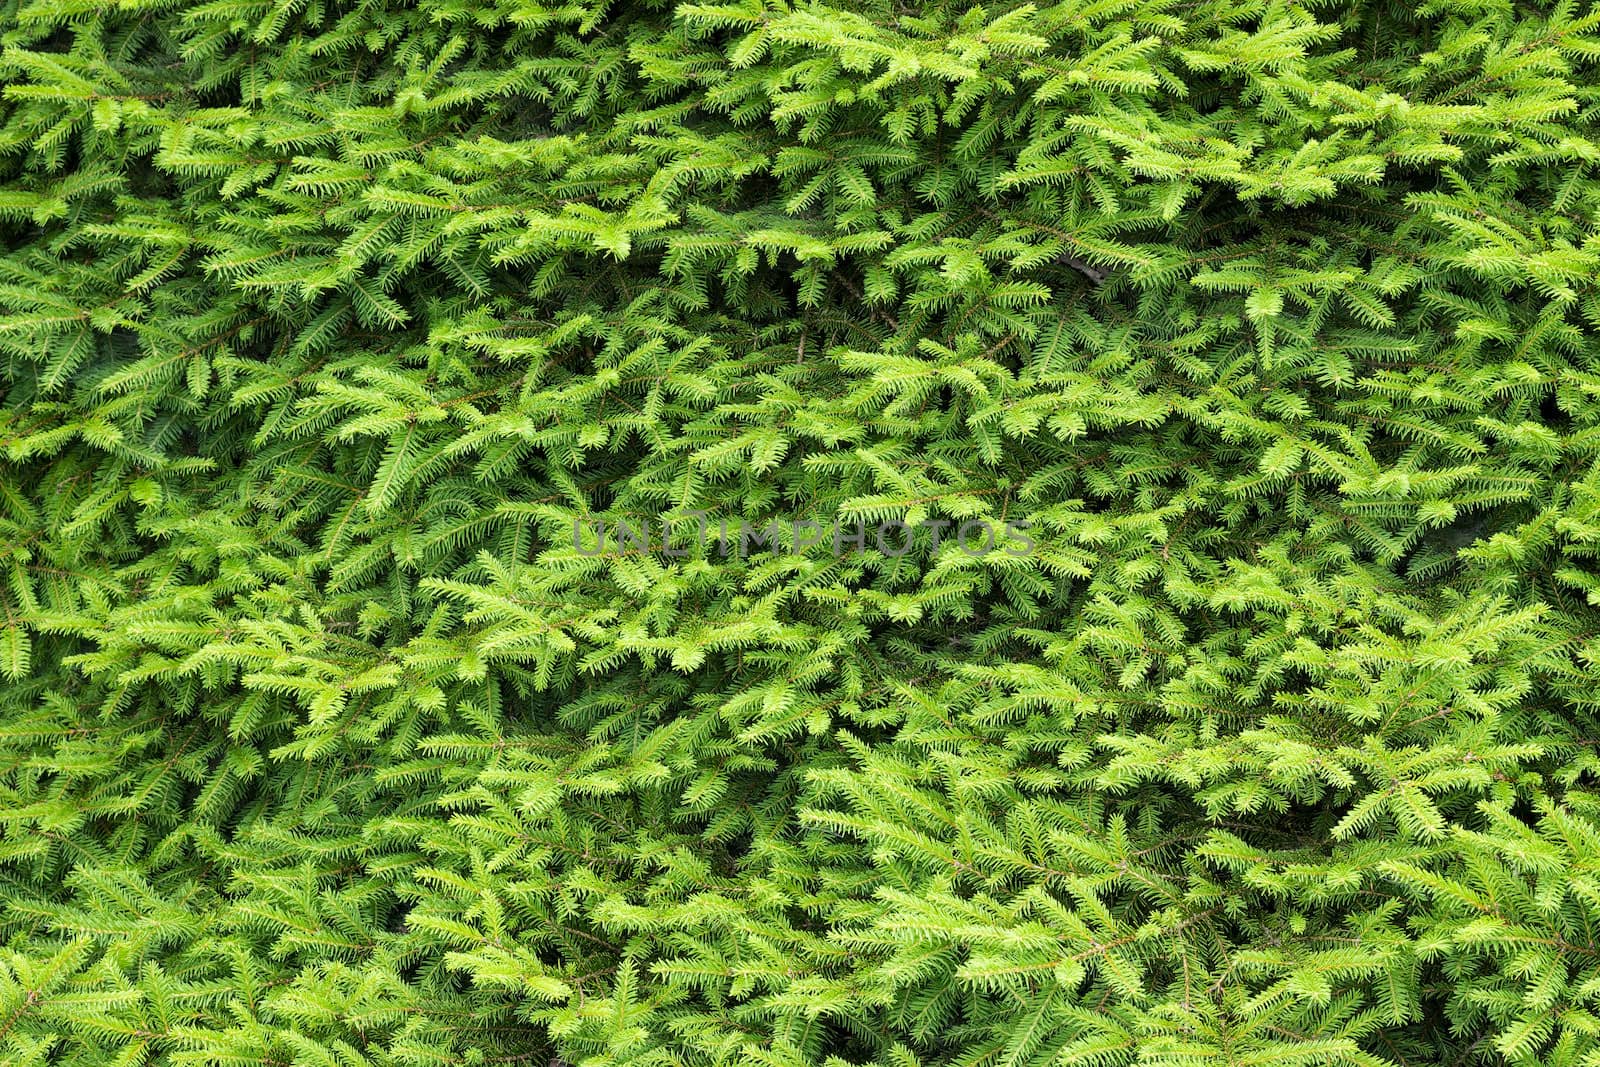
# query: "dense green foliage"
(322, 743)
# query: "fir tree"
(325, 324)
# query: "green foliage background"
(323, 320)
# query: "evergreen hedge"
(1265, 334)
